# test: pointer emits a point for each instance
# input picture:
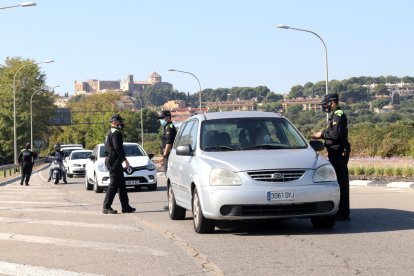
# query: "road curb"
(387, 184)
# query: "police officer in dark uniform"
(58, 155)
(26, 161)
(113, 161)
(338, 147)
(168, 136)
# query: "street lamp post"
(324, 45)
(31, 114)
(24, 4)
(142, 126)
(199, 85)
(14, 105)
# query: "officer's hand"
(126, 163)
(317, 135)
(162, 162)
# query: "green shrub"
(379, 171)
(359, 170)
(398, 171)
(369, 170)
(408, 171)
(389, 171)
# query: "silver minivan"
(248, 165)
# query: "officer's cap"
(163, 114)
(117, 118)
(330, 97)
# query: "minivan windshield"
(249, 134)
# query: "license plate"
(278, 196)
(132, 182)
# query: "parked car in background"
(76, 161)
(248, 165)
(68, 150)
(71, 145)
(142, 171)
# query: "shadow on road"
(362, 221)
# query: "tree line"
(372, 134)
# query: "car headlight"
(221, 177)
(324, 173)
(102, 167)
(150, 166)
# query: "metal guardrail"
(13, 169)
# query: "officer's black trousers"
(26, 173)
(116, 184)
(340, 164)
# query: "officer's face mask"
(120, 126)
(327, 107)
(163, 122)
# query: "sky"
(225, 43)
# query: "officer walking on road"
(168, 136)
(26, 161)
(114, 160)
(338, 147)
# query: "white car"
(75, 163)
(68, 150)
(142, 172)
(248, 165)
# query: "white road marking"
(37, 202)
(68, 223)
(23, 270)
(59, 211)
(122, 248)
(42, 197)
(359, 182)
(400, 184)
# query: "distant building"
(174, 104)
(231, 105)
(126, 85)
(307, 103)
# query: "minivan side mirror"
(150, 155)
(184, 150)
(316, 145)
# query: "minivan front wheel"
(176, 212)
(202, 225)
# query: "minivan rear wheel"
(176, 212)
(202, 225)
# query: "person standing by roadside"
(168, 136)
(338, 147)
(26, 161)
(114, 144)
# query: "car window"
(192, 138)
(133, 150)
(80, 155)
(102, 151)
(249, 133)
(95, 151)
(185, 133)
(178, 136)
(130, 150)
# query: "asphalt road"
(48, 229)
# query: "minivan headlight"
(102, 167)
(221, 177)
(325, 173)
